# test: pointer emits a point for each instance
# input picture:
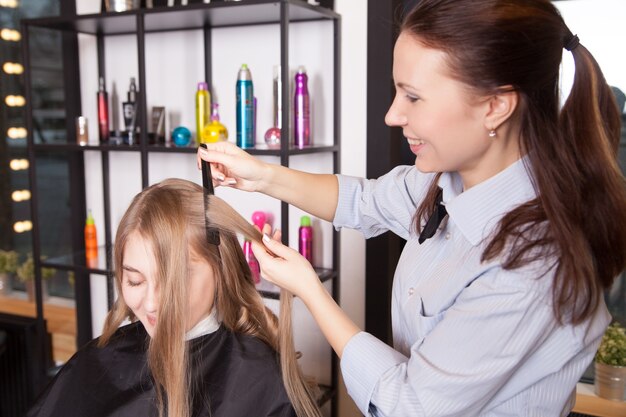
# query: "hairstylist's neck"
(503, 152)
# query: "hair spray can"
(245, 109)
(305, 238)
(301, 111)
(203, 109)
(103, 112)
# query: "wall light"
(17, 132)
(13, 68)
(9, 3)
(20, 195)
(19, 164)
(15, 101)
(23, 226)
(10, 35)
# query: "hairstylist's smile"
(415, 144)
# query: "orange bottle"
(91, 241)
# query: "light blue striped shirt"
(470, 338)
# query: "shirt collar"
(207, 325)
(477, 211)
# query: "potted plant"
(26, 274)
(610, 364)
(8, 266)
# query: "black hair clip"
(212, 235)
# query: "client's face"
(140, 288)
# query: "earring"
(492, 133)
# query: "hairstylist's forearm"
(314, 193)
(335, 324)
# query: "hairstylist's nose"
(394, 116)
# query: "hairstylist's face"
(445, 131)
(140, 287)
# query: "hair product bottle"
(214, 131)
(305, 238)
(245, 108)
(91, 241)
(129, 110)
(301, 110)
(203, 108)
(272, 135)
(103, 112)
(258, 218)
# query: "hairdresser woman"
(498, 310)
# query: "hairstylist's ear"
(500, 108)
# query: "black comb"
(212, 235)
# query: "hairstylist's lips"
(416, 145)
(151, 319)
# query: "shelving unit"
(139, 23)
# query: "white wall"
(171, 76)
(597, 25)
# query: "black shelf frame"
(139, 23)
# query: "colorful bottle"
(129, 110)
(305, 238)
(258, 218)
(91, 241)
(245, 108)
(103, 112)
(272, 135)
(203, 109)
(301, 111)
(255, 269)
(214, 131)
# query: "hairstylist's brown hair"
(171, 216)
(579, 216)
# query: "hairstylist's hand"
(233, 167)
(285, 267)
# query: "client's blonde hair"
(171, 216)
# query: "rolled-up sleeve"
(471, 356)
(376, 206)
(365, 360)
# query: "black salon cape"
(236, 375)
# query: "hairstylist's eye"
(411, 98)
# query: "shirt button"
(447, 236)
(411, 291)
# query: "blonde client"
(201, 342)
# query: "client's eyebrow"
(131, 269)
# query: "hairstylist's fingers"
(278, 249)
(280, 265)
(241, 170)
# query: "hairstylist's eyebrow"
(406, 87)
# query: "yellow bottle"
(214, 131)
(203, 108)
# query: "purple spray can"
(305, 238)
(301, 111)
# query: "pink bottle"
(253, 264)
(258, 218)
(301, 111)
(305, 238)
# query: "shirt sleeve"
(376, 206)
(473, 353)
